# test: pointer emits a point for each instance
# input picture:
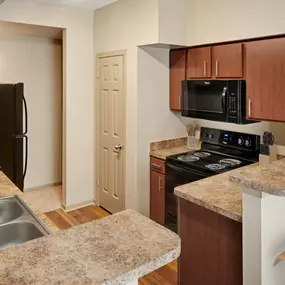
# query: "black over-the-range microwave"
(216, 100)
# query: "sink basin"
(18, 232)
(18, 223)
(9, 210)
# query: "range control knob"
(240, 141)
(211, 136)
(206, 134)
(248, 142)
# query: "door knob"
(118, 147)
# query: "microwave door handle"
(224, 98)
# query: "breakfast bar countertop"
(267, 178)
(114, 250)
(217, 193)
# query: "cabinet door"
(177, 74)
(211, 247)
(157, 197)
(199, 63)
(228, 61)
(265, 71)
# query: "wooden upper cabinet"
(177, 74)
(199, 63)
(228, 61)
(265, 72)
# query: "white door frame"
(97, 120)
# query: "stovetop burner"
(215, 166)
(202, 154)
(230, 161)
(188, 158)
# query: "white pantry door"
(111, 133)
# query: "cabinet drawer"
(157, 165)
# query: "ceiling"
(88, 4)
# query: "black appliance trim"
(232, 113)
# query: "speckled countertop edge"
(112, 250)
(208, 205)
(215, 193)
(268, 178)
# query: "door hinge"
(98, 182)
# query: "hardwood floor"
(166, 275)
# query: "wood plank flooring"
(166, 275)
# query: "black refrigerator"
(13, 133)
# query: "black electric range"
(221, 151)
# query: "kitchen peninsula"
(118, 249)
(237, 226)
(231, 224)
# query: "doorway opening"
(33, 55)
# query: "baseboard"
(76, 206)
(42, 186)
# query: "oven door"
(176, 176)
(205, 99)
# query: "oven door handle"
(182, 169)
(224, 98)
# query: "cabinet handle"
(156, 165)
(217, 68)
(160, 184)
(205, 68)
(249, 107)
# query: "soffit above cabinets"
(87, 4)
(16, 29)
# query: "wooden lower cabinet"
(211, 249)
(157, 197)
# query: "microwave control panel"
(232, 104)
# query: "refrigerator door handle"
(26, 116)
(24, 137)
(26, 156)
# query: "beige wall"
(123, 26)
(127, 25)
(78, 175)
(224, 20)
(37, 62)
(172, 22)
(154, 120)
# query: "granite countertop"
(216, 193)
(164, 152)
(7, 189)
(268, 178)
(113, 250)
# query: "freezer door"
(11, 125)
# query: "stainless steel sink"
(18, 223)
(9, 210)
(19, 232)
